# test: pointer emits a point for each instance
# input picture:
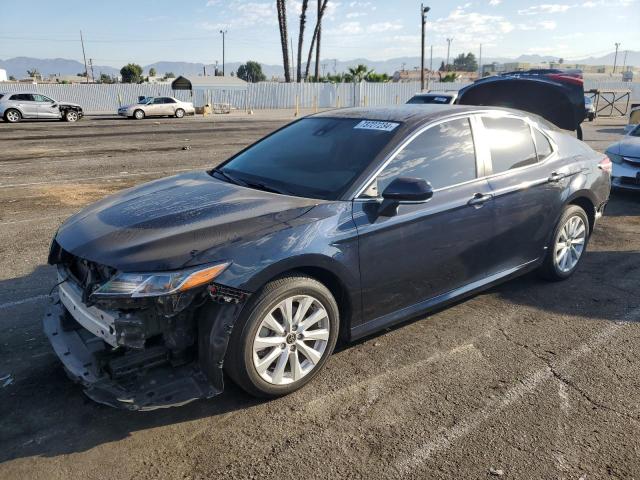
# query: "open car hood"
(556, 98)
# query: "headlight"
(137, 285)
(614, 157)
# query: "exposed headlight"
(137, 285)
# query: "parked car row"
(30, 105)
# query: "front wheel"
(568, 244)
(138, 114)
(179, 113)
(284, 337)
(71, 116)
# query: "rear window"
(510, 143)
(543, 147)
(424, 99)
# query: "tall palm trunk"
(316, 34)
(281, 6)
(303, 21)
(318, 44)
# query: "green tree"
(465, 63)
(251, 72)
(131, 73)
(377, 77)
(33, 73)
(358, 73)
(12, 78)
(104, 78)
(152, 72)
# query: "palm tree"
(303, 21)
(281, 6)
(359, 73)
(318, 42)
(316, 34)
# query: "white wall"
(3, 75)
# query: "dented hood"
(557, 98)
(163, 225)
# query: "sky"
(117, 32)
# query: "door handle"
(555, 177)
(479, 199)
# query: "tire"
(179, 113)
(71, 116)
(281, 349)
(579, 132)
(575, 223)
(138, 114)
(12, 115)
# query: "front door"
(431, 248)
(47, 108)
(27, 104)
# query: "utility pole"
(93, 79)
(223, 32)
(446, 65)
(615, 59)
(624, 62)
(423, 14)
(480, 63)
(86, 71)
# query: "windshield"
(430, 99)
(635, 132)
(314, 157)
(145, 101)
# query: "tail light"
(605, 165)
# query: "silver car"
(16, 106)
(157, 107)
(625, 156)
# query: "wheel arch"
(327, 271)
(584, 199)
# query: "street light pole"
(615, 59)
(449, 40)
(423, 14)
(223, 32)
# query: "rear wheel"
(568, 244)
(283, 337)
(12, 115)
(179, 113)
(138, 114)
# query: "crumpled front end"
(140, 354)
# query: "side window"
(23, 97)
(510, 143)
(42, 98)
(443, 155)
(169, 100)
(158, 101)
(543, 147)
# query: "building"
(3, 75)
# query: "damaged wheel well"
(589, 208)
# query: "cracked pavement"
(536, 379)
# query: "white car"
(442, 98)
(157, 107)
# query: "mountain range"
(18, 66)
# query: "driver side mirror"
(404, 190)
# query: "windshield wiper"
(266, 188)
(229, 178)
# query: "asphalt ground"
(530, 379)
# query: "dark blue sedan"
(337, 225)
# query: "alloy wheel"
(570, 243)
(291, 340)
(71, 116)
(13, 116)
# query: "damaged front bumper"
(142, 380)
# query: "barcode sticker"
(376, 125)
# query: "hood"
(69, 104)
(163, 225)
(559, 100)
(628, 147)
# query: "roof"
(208, 83)
(408, 114)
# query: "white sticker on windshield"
(441, 99)
(376, 125)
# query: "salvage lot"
(536, 379)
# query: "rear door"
(431, 248)
(527, 189)
(169, 106)
(47, 108)
(26, 103)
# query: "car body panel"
(560, 102)
(36, 106)
(626, 156)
